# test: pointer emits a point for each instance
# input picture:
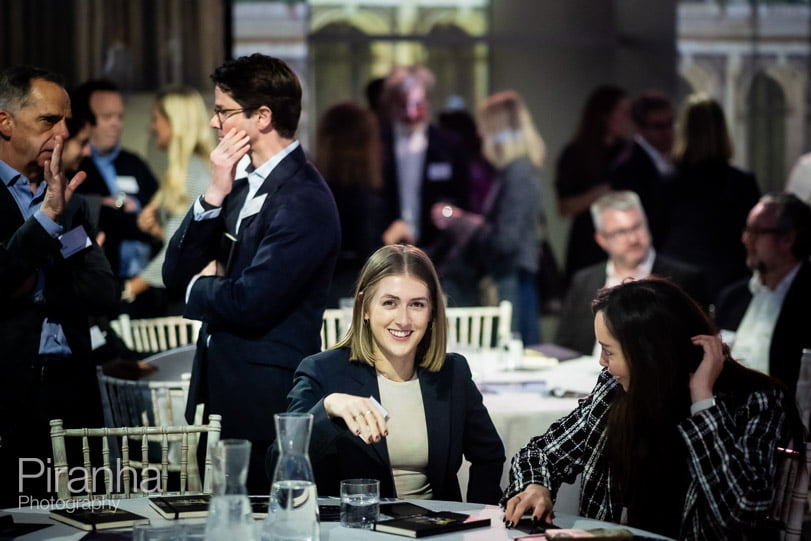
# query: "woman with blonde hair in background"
(180, 125)
(504, 241)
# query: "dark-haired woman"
(676, 438)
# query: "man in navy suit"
(255, 255)
(648, 166)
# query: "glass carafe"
(229, 513)
(293, 509)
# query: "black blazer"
(457, 421)
(790, 330)
(445, 178)
(75, 288)
(639, 174)
(576, 325)
(117, 224)
(264, 315)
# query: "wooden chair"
(125, 472)
(151, 335)
(480, 326)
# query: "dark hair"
(594, 118)
(15, 84)
(653, 320)
(80, 96)
(463, 125)
(81, 115)
(348, 146)
(793, 215)
(646, 103)
(259, 80)
(374, 93)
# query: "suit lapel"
(438, 424)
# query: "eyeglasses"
(755, 231)
(618, 233)
(224, 114)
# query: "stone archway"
(766, 113)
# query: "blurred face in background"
(76, 148)
(108, 107)
(658, 130)
(624, 235)
(767, 248)
(160, 127)
(619, 124)
(412, 107)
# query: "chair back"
(791, 492)
(124, 475)
(803, 392)
(480, 326)
(332, 327)
(151, 335)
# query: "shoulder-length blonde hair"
(508, 132)
(191, 135)
(402, 259)
(701, 132)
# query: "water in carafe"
(229, 513)
(293, 509)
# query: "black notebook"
(430, 523)
(181, 506)
(98, 517)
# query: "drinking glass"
(360, 502)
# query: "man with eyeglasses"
(648, 164)
(766, 316)
(621, 229)
(272, 238)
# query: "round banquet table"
(330, 531)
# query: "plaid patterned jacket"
(731, 452)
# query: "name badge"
(74, 241)
(439, 171)
(127, 183)
(253, 206)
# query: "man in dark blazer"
(648, 165)
(52, 277)
(121, 180)
(274, 238)
(769, 311)
(622, 231)
(422, 164)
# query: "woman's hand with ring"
(359, 413)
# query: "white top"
(754, 335)
(408, 436)
(409, 150)
(799, 181)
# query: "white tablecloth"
(519, 415)
(330, 531)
